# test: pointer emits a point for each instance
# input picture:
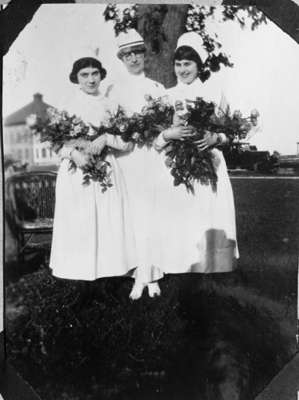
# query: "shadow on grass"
(205, 338)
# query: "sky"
(265, 73)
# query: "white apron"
(194, 232)
(92, 236)
(141, 170)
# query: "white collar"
(85, 95)
(139, 77)
(190, 86)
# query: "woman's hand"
(210, 139)
(178, 133)
(97, 145)
(79, 158)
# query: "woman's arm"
(71, 151)
(64, 151)
(212, 139)
(117, 143)
(160, 142)
(178, 132)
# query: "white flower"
(254, 114)
(91, 131)
(122, 128)
(237, 114)
(64, 115)
(76, 130)
(73, 133)
(52, 111)
(148, 98)
(55, 120)
(54, 115)
(77, 121)
(136, 136)
(31, 120)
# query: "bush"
(200, 339)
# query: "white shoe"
(136, 291)
(153, 289)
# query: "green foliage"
(243, 14)
(189, 164)
(196, 19)
(122, 21)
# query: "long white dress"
(141, 170)
(195, 232)
(93, 236)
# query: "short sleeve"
(117, 143)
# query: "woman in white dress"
(140, 166)
(92, 236)
(195, 232)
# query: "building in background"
(19, 142)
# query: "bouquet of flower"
(235, 126)
(61, 128)
(156, 115)
(141, 128)
(188, 163)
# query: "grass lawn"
(206, 338)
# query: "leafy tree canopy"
(154, 27)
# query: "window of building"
(37, 153)
(44, 153)
(18, 137)
(19, 154)
(12, 138)
(27, 154)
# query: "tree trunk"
(160, 26)
(285, 13)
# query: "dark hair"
(188, 53)
(85, 63)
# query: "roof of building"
(40, 168)
(37, 106)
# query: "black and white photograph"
(150, 190)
